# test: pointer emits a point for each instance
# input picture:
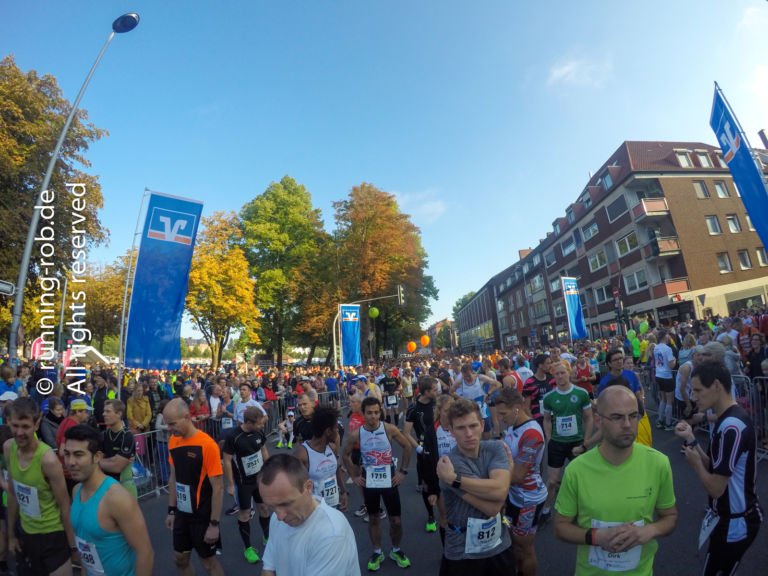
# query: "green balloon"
(636, 344)
(643, 327)
(631, 335)
(373, 312)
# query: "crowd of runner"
(503, 443)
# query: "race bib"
(378, 476)
(226, 423)
(252, 464)
(708, 524)
(391, 400)
(27, 499)
(90, 557)
(614, 561)
(330, 491)
(183, 498)
(483, 534)
(566, 425)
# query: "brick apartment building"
(660, 225)
(433, 330)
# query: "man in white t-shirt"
(246, 400)
(664, 362)
(306, 535)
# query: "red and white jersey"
(526, 442)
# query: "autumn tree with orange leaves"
(220, 296)
(378, 247)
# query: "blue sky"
(484, 118)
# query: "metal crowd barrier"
(151, 467)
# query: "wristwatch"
(457, 482)
(214, 523)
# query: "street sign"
(7, 288)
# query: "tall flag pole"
(573, 310)
(745, 168)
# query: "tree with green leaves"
(282, 234)
(220, 296)
(460, 304)
(32, 114)
(443, 338)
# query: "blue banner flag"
(745, 169)
(350, 334)
(573, 309)
(160, 283)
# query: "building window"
(724, 262)
(720, 160)
(704, 159)
(606, 181)
(536, 259)
(556, 228)
(701, 189)
(570, 216)
(713, 225)
(568, 246)
(635, 282)
(559, 310)
(589, 230)
(519, 299)
(555, 285)
(526, 267)
(684, 159)
(500, 305)
(733, 223)
(603, 294)
(749, 222)
(627, 244)
(597, 261)
(550, 259)
(721, 189)
(762, 259)
(537, 283)
(616, 208)
(744, 260)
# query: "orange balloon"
(425, 341)
(411, 347)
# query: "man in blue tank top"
(110, 531)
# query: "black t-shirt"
(118, 444)
(389, 384)
(243, 446)
(422, 416)
(445, 378)
(732, 453)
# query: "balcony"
(661, 247)
(650, 208)
(670, 287)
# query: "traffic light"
(400, 295)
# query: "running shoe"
(279, 444)
(382, 516)
(669, 428)
(659, 424)
(251, 555)
(360, 512)
(290, 445)
(374, 562)
(431, 525)
(400, 557)
(232, 511)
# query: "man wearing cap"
(78, 414)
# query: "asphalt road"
(677, 554)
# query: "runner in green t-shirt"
(609, 495)
(567, 412)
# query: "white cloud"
(425, 207)
(579, 72)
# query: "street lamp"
(125, 23)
